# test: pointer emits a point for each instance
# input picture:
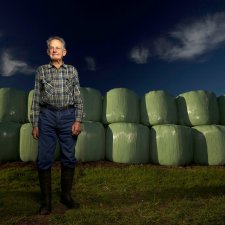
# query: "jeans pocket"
(71, 111)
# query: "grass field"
(118, 194)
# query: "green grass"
(111, 193)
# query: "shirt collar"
(51, 66)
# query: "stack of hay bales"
(91, 141)
(200, 110)
(13, 104)
(120, 127)
(170, 144)
(127, 141)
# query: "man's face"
(56, 50)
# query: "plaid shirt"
(58, 88)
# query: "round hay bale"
(92, 101)
(171, 145)
(127, 143)
(158, 107)
(13, 105)
(209, 144)
(197, 108)
(90, 144)
(221, 101)
(9, 141)
(120, 105)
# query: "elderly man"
(56, 114)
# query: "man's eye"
(52, 48)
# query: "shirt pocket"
(48, 87)
(69, 86)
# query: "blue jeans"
(55, 125)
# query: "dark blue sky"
(176, 45)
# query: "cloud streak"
(10, 66)
(139, 55)
(91, 64)
(191, 40)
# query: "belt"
(57, 108)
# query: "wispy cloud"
(91, 64)
(193, 39)
(10, 66)
(139, 55)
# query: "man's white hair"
(56, 38)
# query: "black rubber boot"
(45, 186)
(67, 175)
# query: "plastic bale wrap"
(171, 145)
(13, 105)
(9, 141)
(158, 107)
(92, 100)
(121, 105)
(90, 144)
(29, 104)
(127, 143)
(28, 146)
(209, 144)
(197, 108)
(221, 101)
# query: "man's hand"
(76, 128)
(35, 133)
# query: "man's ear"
(48, 51)
(64, 52)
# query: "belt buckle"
(64, 107)
(58, 108)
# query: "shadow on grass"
(109, 199)
(16, 199)
(26, 204)
(18, 203)
(203, 192)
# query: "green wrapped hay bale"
(221, 101)
(209, 144)
(197, 108)
(120, 105)
(28, 146)
(90, 144)
(92, 100)
(13, 105)
(9, 141)
(158, 107)
(29, 104)
(127, 143)
(171, 145)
